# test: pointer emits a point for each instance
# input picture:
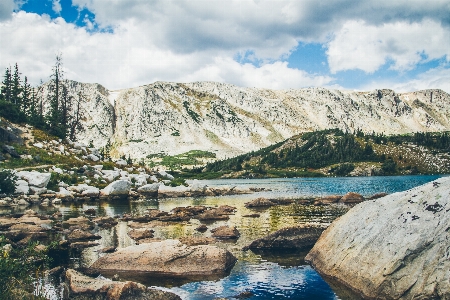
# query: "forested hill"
(335, 153)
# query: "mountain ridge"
(174, 118)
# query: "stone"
(23, 202)
(91, 192)
(38, 145)
(82, 287)
(351, 198)
(301, 237)
(117, 188)
(165, 191)
(327, 200)
(37, 191)
(82, 235)
(11, 151)
(56, 201)
(197, 240)
(395, 247)
(93, 157)
(377, 195)
(136, 234)
(202, 228)
(164, 174)
(34, 178)
(121, 163)
(168, 258)
(64, 194)
(259, 202)
(197, 188)
(212, 214)
(22, 187)
(149, 189)
(225, 232)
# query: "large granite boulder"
(168, 258)
(82, 287)
(395, 247)
(301, 237)
(35, 178)
(117, 188)
(172, 192)
(149, 189)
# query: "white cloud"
(129, 57)
(56, 6)
(367, 47)
(6, 9)
(437, 78)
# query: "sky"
(277, 44)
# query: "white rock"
(57, 170)
(64, 194)
(121, 163)
(98, 167)
(22, 187)
(37, 191)
(38, 145)
(172, 192)
(61, 148)
(395, 247)
(117, 188)
(63, 184)
(22, 202)
(35, 178)
(166, 175)
(153, 178)
(91, 192)
(56, 201)
(149, 189)
(93, 157)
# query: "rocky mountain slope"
(174, 118)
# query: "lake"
(266, 275)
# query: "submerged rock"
(225, 232)
(395, 247)
(82, 287)
(299, 237)
(168, 258)
(351, 198)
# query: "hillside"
(335, 153)
(173, 118)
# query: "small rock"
(225, 232)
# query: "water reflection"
(267, 275)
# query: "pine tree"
(25, 102)
(6, 88)
(16, 87)
(54, 115)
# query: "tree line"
(56, 111)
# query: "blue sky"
(345, 44)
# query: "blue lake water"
(264, 275)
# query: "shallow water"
(266, 275)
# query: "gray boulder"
(117, 188)
(22, 187)
(168, 258)
(299, 237)
(82, 287)
(34, 178)
(395, 247)
(11, 151)
(149, 189)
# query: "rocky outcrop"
(174, 118)
(168, 258)
(82, 287)
(300, 237)
(395, 247)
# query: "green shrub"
(7, 182)
(19, 268)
